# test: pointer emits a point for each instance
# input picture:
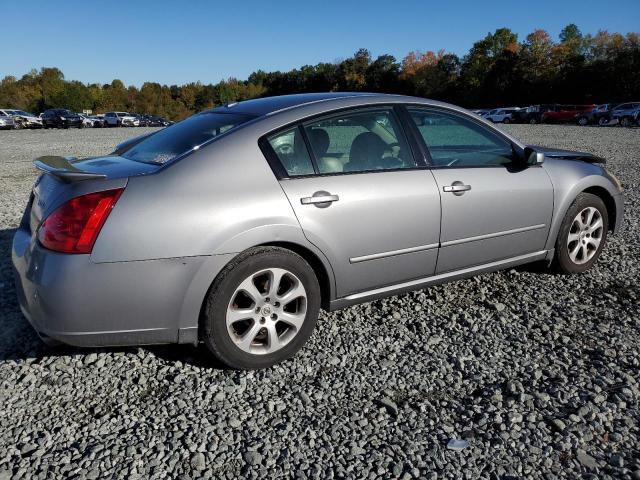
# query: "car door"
(359, 196)
(493, 206)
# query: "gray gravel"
(539, 373)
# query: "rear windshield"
(183, 136)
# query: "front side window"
(183, 137)
(361, 141)
(454, 141)
(290, 149)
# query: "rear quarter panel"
(202, 205)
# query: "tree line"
(498, 70)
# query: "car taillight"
(74, 226)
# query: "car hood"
(561, 154)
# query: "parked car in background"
(625, 114)
(565, 113)
(155, 121)
(533, 113)
(61, 118)
(599, 115)
(6, 121)
(98, 122)
(280, 206)
(501, 115)
(120, 119)
(86, 121)
(142, 120)
(23, 119)
(481, 111)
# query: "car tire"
(580, 240)
(506, 121)
(583, 121)
(247, 342)
(602, 121)
(625, 122)
(532, 121)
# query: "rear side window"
(183, 137)
(360, 141)
(290, 149)
(454, 141)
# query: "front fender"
(569, 179)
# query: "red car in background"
(565, 113)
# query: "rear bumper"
(70, 299)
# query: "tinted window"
(183, 136)
(359, 141)
(454, 141)
(290, 148)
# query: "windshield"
(20, 112)
(183, 136)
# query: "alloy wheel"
(266, 311)
(585, 235)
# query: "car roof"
(269, 105)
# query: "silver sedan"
(236, 225)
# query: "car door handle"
(457, 188)
(320, 199)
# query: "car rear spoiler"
(62, 168)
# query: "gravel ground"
(538, 372)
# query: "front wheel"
(583, 121)
(261, 308)
(582, 235)
(625, 122)
(506, 121)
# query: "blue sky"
(176, 42)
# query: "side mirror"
(533, 157)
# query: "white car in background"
(6, 121)
(501, 115)
(120, 119)
(22, 119)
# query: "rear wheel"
(582, 235)
(261, 309)
(533, 121)
(625, 122)
(583, 121)
(506, 120)
(602, 121)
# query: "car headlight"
(63, 118)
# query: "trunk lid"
(67, 177)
